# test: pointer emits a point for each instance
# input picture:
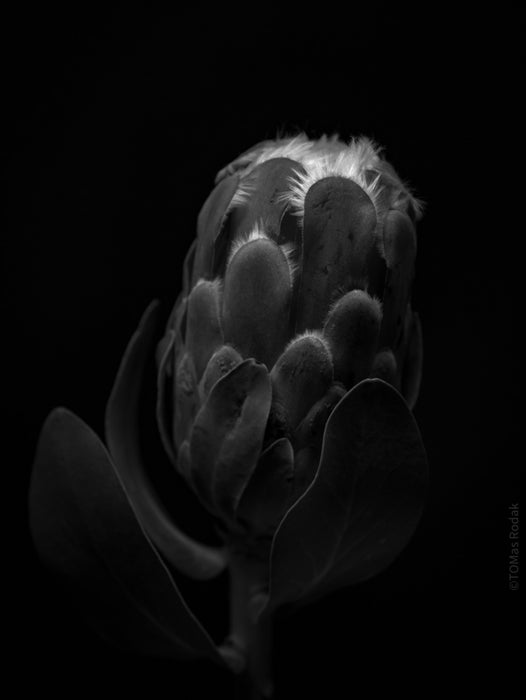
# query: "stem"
(254, 639)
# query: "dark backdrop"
(119, 120)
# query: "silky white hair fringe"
(257, 233)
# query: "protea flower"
(286, 377)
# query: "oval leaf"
(364, 503)
(84, 529)
(192, 558)
(163, 411)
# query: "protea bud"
(297, 287)
(279, 380)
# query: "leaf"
(227, 435)
(364, 503)
(122, 427)
(85, 530)
(164, 414)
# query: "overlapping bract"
(296, 289)
(286, 376)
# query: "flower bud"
(275, 403)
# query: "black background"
(118, 121)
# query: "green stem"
(253, 638)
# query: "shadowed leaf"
(163, 411)
(364, 503)
(85, 530)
